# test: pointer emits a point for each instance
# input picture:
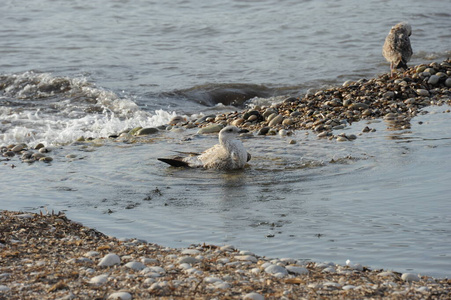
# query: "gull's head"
(229, 132)
(406, 27)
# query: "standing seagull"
(229, 154)
(397, 50)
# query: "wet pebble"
(276, 120)
(263, 131)
(147, 131)
(214, 128)
(9, 154)
(433, 80)
(287, 122)
(422, 92)
(448, 82)
(46, 159)
(18, 147)
(39, 146)
(44, 150)
(238, 122)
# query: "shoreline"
(395, 100)
(51, 257)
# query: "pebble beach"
(48, 256)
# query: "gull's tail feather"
(175, 162)
(401, 65)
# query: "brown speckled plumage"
(397, 49)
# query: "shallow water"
(381, 200)
(71, 69)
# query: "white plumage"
(229, 154)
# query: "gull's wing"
(176, 161)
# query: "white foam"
(58, 110)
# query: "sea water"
(71, 69)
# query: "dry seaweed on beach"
(48, 256)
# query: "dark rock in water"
(227, 94)
(9, 154)
(264, 131)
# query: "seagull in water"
(397, 50)
(229, 154)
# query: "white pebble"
(246, 258)
(185, 266)
(135, 265)
(24, 216)
(422, 289)
(275, 269)
(288, 260)
(158, 270)
(246, 252)
(4, 288)
(99, 280)
(212, 279)
(109, 260)
(329, 270)
(146, 260)
(190, 251)
(92, 254)
(349, 287)
(187, 260)
(253, 296)
(149, 281)
(354, 266)
(324, 265)
(120, 295)
(224, 260)
(409, 277)
(155, 286)
(332, 284)
(193, 271)
(222, 285)
(296, 270)
(256, 271)
(227, 248)
(386, 274)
